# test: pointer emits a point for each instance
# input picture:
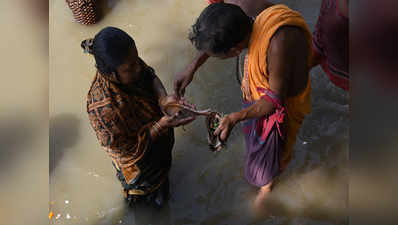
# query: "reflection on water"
(64, 133)
(206, 188)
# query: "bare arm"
(197, 62)
(167, 122)
(184, 78)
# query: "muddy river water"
(206, 188)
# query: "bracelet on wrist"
(157, 128)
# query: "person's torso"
(265, 26)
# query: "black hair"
(110, 47)
(220, 27)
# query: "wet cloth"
(121, 117)
(330, 43)
(256, 72)
(156, 198)
(265, 142)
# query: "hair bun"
(87, 45)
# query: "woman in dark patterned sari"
(123, 109)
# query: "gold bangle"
(158, 127)
(154, 132)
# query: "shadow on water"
(104, 7)
(64, 134)
(15, 133)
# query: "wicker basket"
(84, 11)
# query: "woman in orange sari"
(276, 85)
(123, 109)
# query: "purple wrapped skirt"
(264, 139)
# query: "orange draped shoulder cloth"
(257, 77)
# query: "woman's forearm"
(156, 129)
(199, 60)
(185, 77)
(259, 109)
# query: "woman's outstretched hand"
(174, 99)
(175, 121)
